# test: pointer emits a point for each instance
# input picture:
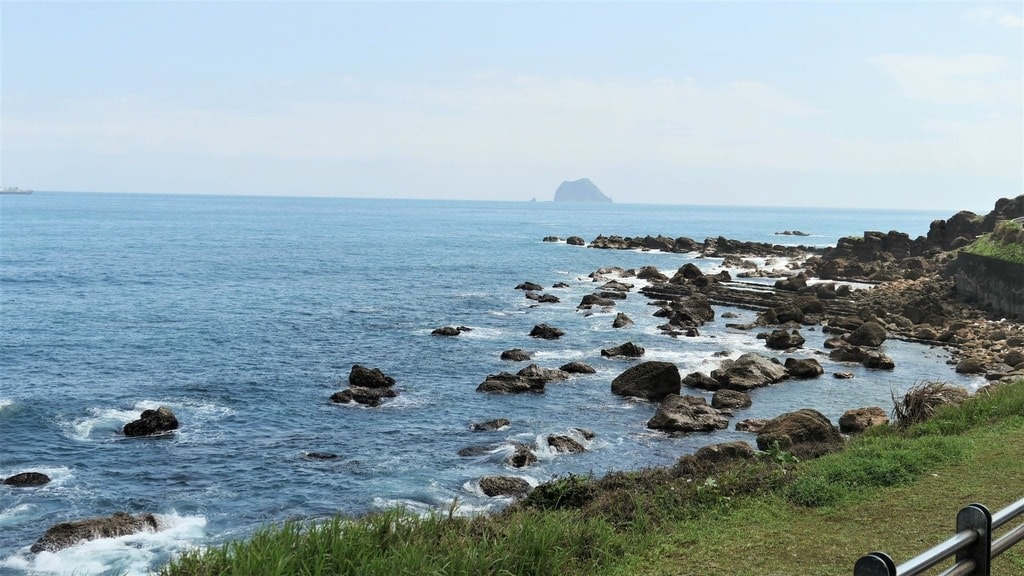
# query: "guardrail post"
(976, 517)
(874, 564)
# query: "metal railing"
(972, 546)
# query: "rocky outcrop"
(67, 534)
(738, 450)
(575, 241)
(701, 381)
(152, 422)
(505, 383)
(749, 371)
(577, 368)
(591, 300)
(804, 433)
(494, 486)
(869, 333)
(490, 425)
(530, 287)
(653, 380)
(546, 374)
(565, 445)
(784, 339)
(27, 479)
(622, 321)
(628, 350)
(450, 330)
(803, 368)
(367, 386)
(687, 414)
(369, 378)
(522, 457)
(730, 400)
(543, 298)
(515, 355)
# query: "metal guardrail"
(972, 546)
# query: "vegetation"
(892, 488)
(1006, 242)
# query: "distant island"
(582, 190)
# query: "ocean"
(244, 315)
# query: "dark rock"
(515, 355)
(688, 272)
(651, 274)
(725, 451)
(552, 239)
(565, 444)
(522, 457)
(1013, 358)
(749, 371)
(867, 334)
(530, 287)
(575, 241)
(730, 399)
(490, 425)
(784, 339)
(367, 378)
(505, 383)
(27, 479)
(612, 295)
(621, 321)
(848, 353)
(321, 456)
(628, 350)
(591, 300)
(366, 396)
(152, 422)
(67, 534)
(701, 381)
(560, 285)
(804, 367)
(651, 380)
(616, 286)
(494, 486)
(477, 451)
(751, 425)
(576, 368)
(543, 298)
(546, 332)
(860, 419)
(807, 432)
(546, 374)
(687, 414)
(970, 366)
(450, 330)
(878, 361)
(843, 375)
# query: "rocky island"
(582, 190)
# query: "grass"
(894, 490)
(1006, 243)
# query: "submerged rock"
(490, 425)
(547, 332)
(515, 355)
(152, 422)
(27, 479)
(67, 534)
(565, 444)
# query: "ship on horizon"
(14, 190)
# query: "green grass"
(892, 490)
(1006, 242)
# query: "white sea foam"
(14, 514)
(129, 555)
(5, 403)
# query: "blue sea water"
(244, 314)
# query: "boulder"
(701, 381)
(369, 378)
(27, 479)
(560, 285)
(490, 425)
(515, 355)
(842, 375)
(725, 451)
(803, 367)
(651, 380)
(591, 300)
(860, 419)
(546, 374)
(546, 332)
(749, 371)
(321, 456)
(576, 368)
(688, 312)
(784, 339)
(616, 286)
(450, 330)
(152, 422)
(628, 350)
(867, 334)
(522, 457)
(551, 239)
(67, 534)
(366, 396)
(621, 321)
(651, 274)
(804, 432)
(687, 414)
(543, 298)
(1013, 358)
(848, 353)
(505, 383)
(494, 486)
(970, 365)
(575, 241)
(565, 444)
(878, 361)
(751, 425)
(730, 400)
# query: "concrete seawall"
(994, 284)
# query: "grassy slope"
(768, 535)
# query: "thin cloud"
(1002, 18)
(964, 79)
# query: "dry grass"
(920, 402)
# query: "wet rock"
(565, 444)
(522, 457)
(860, 419)
(551, 239)
(616, 286)
(784, 340)
(67, 534)
(591, 300)
(687, 414)
(575, 241)
(494, 486)
(970, 366)
(321, 456)
(848, 353)
(490, 425)
(842, 375)
(867, 334)
(730, 400)
(577, 368)
(751, 425)
(371, 397)
(505, 383)
(803, 367)
(879, 361)
(807, 432)
(369, 378)
(546, 332)
(651, 380)
(652, 274)
(450, 330)
(543, 298)
(701, 381)
(515, 355)
(546, 374)
(530, 287)
(152, 422)
(27, 479)
(628, 350)
(622, 321)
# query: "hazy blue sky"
(872, 104)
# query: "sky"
(860, 104)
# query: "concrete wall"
(994, 284)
